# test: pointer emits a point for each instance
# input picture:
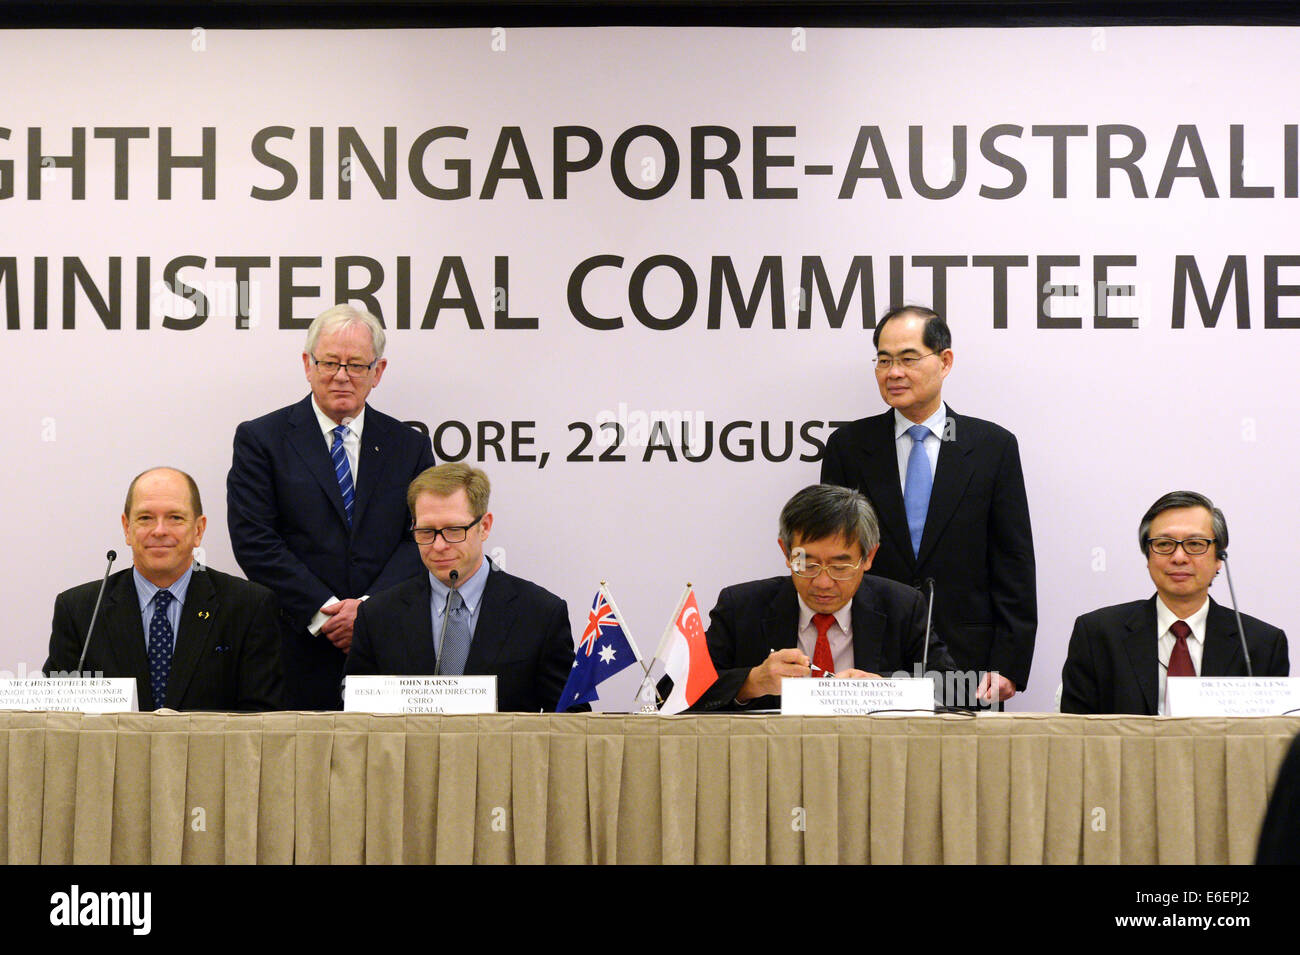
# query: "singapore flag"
(686, 656)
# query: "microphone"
(112, 556)
(446, 612)
(1241, 630)
(929, 614)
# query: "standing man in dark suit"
(826, 619)
(951, 500)
(193, 638)
(1120, 657)
(316, 502)
(466, 615)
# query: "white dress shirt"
(351, 437)
(840, 636)
(1195, 642)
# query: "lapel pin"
(203, 615)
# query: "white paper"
(830, 697)
(420, 694)
(1233, 695)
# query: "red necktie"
(1180, 660)
(822, 658)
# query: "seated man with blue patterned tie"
(193, 638)
(1120, 657)
(495, 623)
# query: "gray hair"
(340, 316)
(825, 510)
(1185, 499)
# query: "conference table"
(602, 788)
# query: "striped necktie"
(341, 470)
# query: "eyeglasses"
(884, 364)
(812, 569)
(1192, 547)
(452, 535)
(355, 369)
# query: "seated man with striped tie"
(1120, 657)
(827, 618)
(466, 615)
(193, 638)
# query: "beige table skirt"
(352, 788)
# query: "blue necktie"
(455, 642)
(916, 495)
(160, 647)
(342, 471)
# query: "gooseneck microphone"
(446, 612)
(929, 615)
(1241, 631)
(112, 556)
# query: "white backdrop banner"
(633, 274)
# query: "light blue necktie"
(455, 643)
(342, 471)
(916, 495)
(160, 647)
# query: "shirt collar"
(327, 424)
(1166, 617)
(145, 590)
(843, 616)
(935, 422)
(471, 589)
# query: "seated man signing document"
(827, 617)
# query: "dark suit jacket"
(522, 637)
(1279, 839)
(1113, 662)
(290, 533)
(977, 544)
(752, 619)
(227, 654)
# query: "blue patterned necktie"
(455, 643)
(160, 647)
(341, 470)
(916, 495)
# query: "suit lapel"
(1222, 652)
(370, 462)
(120, 633)
(781, 620)
(201, 608)
(952, 474)
(1142, 647)
(881, 485)
(417, 630)
(495, 618)
(307, 439)
(868, 632)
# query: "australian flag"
(604, 650)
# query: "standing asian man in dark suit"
(951, 500)
(317, 506)
(827, 618)
(495, 623)
(193, 638)
(1120, 657)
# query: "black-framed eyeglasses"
(355, 369)
(1192, 547)
(888, 362)
(452, 535)
(811, 569)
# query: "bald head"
(196, 505)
